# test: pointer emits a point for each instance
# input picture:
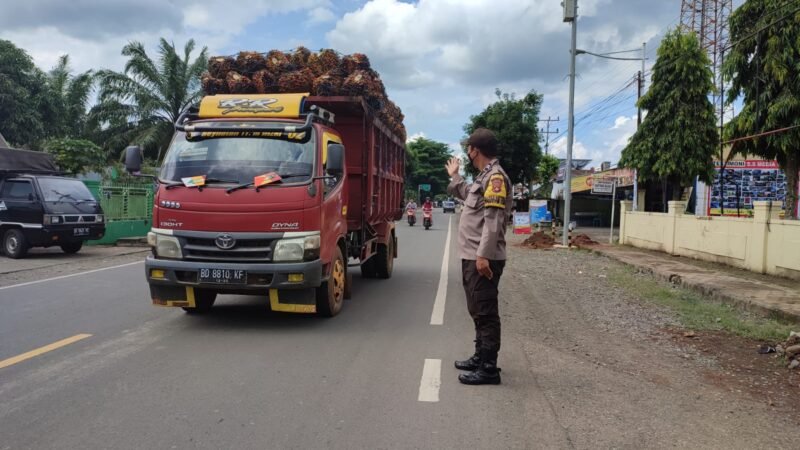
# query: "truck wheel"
(15, 245)
(348, 285)
(330, 296)
(203, 300)
(71, 247)
(368, 267)
(384, 259)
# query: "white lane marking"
(68, 276)
(437, 316)
(431, 381)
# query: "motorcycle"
(427, 219)
(412, 217)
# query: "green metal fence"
(128, 208)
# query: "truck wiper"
(247, 185)
(61, 196)
(173, 184)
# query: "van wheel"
(384, 259)
(71, 247)
(203, 300)
(14, 243)
(330, 296)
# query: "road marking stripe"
(431, 381)
(42, 350)
(437, 316)
(70, 275)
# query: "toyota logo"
(225, 241)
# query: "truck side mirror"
(335, 164)
(133, 159)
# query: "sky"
(441, 60)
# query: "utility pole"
(546, 131)
(570, 15)
(639, 124)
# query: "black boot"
(473, 362)
(486, 373)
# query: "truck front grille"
(245, 250)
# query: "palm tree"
(140, 105)
(69, 98)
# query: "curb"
(704, 289)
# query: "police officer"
(482, 249)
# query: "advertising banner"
(538, 210)
(522, 223)
(743, 183)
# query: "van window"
(16, 190)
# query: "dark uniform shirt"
(484, 218)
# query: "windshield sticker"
(265, 179)
(248, 105)
(247, 134)
(197, 181)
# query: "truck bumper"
(58, 234)
(173, 282)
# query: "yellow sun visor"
(252, 105)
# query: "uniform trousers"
(482, 304)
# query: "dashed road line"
(42, 350)
(431, 381)
(437, 316)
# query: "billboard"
(745, 182)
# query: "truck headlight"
(165, 246)
(297, 249)
(100, 219)
(52, 220)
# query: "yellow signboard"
(252, 105)
(582, 183)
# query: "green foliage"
(514, 121)
(678, 137)
(428, 160)
(140, 105)
(69, 99)
(22, 92)
(547, 169)
(763, 67)
(76, 156)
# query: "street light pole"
(638, 124)
(570, 125)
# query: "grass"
(696, 312)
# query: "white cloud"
(415, 137)
(320, 15)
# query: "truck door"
(334, 207)
(19, 203)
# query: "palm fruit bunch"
(322, 73)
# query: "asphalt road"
(243, 377)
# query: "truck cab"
(39, 208)
(254, 199)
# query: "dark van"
(39, 208)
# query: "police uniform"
(481, 232)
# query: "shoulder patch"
(494, 196)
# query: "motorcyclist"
(412, 205)
(427, 206)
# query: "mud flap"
(173, 296)
(293, 300)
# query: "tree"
(545, 171)
(76, 156)
(22, 88)
(514, 121)
(69, 96)
(762, 66)
(430, 158)
(678, 137)
(141, 104)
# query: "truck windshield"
(239, 159)
(64, 190)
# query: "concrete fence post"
(756, 256)
(675, 209)
(624, 207)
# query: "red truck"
(273, 195)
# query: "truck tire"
(15, 245)
(368, 267)
(384, 259)
(330, 296)
(203, 300)
(348, 285)
(71, 247)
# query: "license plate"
(80, 231)
(223, 276)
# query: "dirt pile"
(582, 240)
(540, 239)
(323, 73)
(791, 349)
